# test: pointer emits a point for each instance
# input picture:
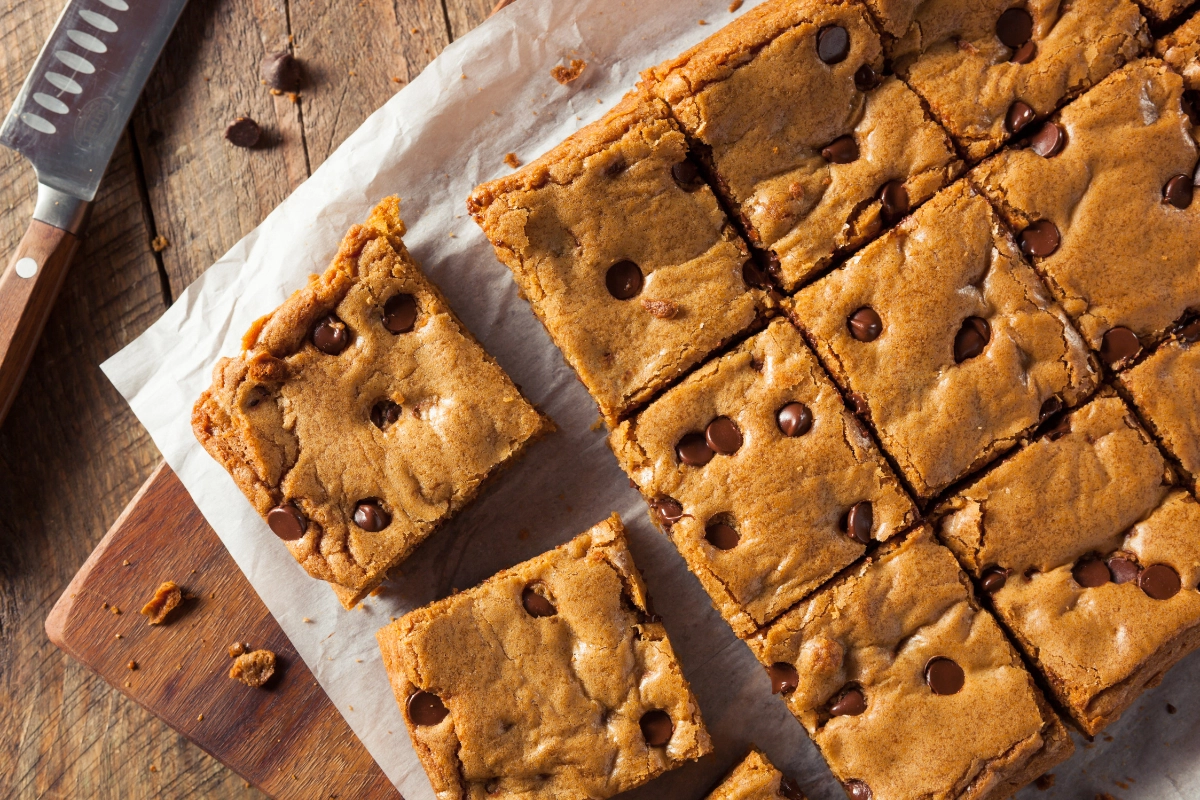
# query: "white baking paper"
(488, 94)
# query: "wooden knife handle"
(27, 291)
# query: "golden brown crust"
(755, 778)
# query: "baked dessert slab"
(624, 254)
(756, 778)
(1108, 217)
(1181, 50)
(1160, 11)
(361, 413)
(988, 68)
(803, 137)
(763, 480)
(548, 680)
(945, 339)
(907, 686)
(1090, 556)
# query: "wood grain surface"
(71, 453)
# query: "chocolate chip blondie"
(946, 340)
(548, 680)
(756, 778)
(1102, 197)
(764, 481)
(907, 686)
(1090, 556)
(624, 254)
(361, 414)
(800, 132)
(1181, 50)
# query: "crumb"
(115, 610)
(378, 590)
(131, 665)
(1044, 782)
(566, 74)
(104, 605)
(166, 597)
(253, 669)
(512, 160)
(125, 563)
(128, 684)
(397, 79)
(238, 648)
(597, 425)
(305, 619)
(662, 309)
(1171, 709)
(153, 768)
(119, 636)
(702, 22)
(735, 5)
(414, 30)
(353, 74)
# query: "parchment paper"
(490, 93)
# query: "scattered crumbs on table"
(157, 244)
(125, 563)
(116, 610)
(565, 73)
(305, 619)
(701, 22)
(253, 669)
(166, 598)
(199, 718)
(119, 636)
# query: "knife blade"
(67, 120)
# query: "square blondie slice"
(1102, 198)
(548, 680)
(907, 686)
(1181, 49)
(361, 413)
(1090, 556)
(989, 68)
(764, 481)
(803, 138)
(624, 254)
(756, 778)
(1165, 388)
(946, 340)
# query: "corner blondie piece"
(1108, 216)
(361, 414)
(1181, 49)
(907, 686)
(1160, 11)
(548, 680)
(988, 68)
(802, 137)
(1166, 389)
(946, 340)
(763, 480)
(624, 254)
(1090, 556)
(756, 778)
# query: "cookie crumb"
(153, 768)
(131, 665)
(702, 22)
(1171, 709)
(253, 669)
(512, 160)
(238, 648)
(661, 309)
(125, 563)
(566, 74)
(115, 610)
(157, 244)
(735, 5)
(166, 597)
(1044, 782)
(305, 619)
(199, 718)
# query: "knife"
(66, 121)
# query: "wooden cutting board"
(285, 738)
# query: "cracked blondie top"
(989, 68)
(946, 340)
(1090, 556)
(548, 680)
(800, 132)
(763, 480)
(756, 778)
(1108, 217)
(1181, 49)
(907, 686)
(360, 413)
(624, 254)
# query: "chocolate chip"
(1123, 569)
(865, 79)
(1159, 581)
(1020, 114)
(425, 708)
(993, 579)
(833, 44)
(1024, 54)
(850, 704)
(723, 436)
(535, 601)
(865, 325)
(687, 175)
(944, 676)
(1090, 573)
(1118, 345)
(243, 132)
(1049, 408)
(721, 536)
(794, 419)
(859, 521)
(755, 277)
(893, 198)
(657, 727)
(330, 335)
(1178, 191)
(624, 280)
(1191, 105)
(1059, 429)
(693, 450)
(784, 677)
(281, 71)
(669, 510)
(400, 313)
(1189, 332)
(1040, 239)
(1049, 140)
(615, 167)
(286, 522)
(857, 790)
(789, 790)
(972, 338)
(842, 150)
(370, 516)
(384, 413)
(1014, 27)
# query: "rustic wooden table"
(71, 452)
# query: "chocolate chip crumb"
(281, 71)
(566, 74)
(166, 597)
(253, 669)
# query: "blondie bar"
(756, 778)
